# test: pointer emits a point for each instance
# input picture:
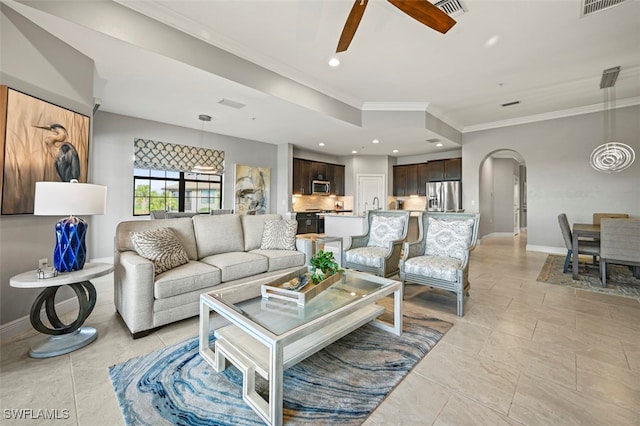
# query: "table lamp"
(69, 198)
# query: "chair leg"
(460, 307)
(603, 273)
(567, 260)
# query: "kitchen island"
(344, 225)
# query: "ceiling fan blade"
(350, 27)
(425, 12)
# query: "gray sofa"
(223, 251)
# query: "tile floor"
(524, 353)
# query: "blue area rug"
(342, 384)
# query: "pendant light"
(611, 156)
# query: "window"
(175, 191)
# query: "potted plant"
(323, 266)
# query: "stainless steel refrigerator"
(444, 196)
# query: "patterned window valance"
(178, 158)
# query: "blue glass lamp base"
(70, 252)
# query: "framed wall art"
(40, 142)
(252, 185)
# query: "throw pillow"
(161, 246)
(448, 238)
(279, 234)
(385, 229)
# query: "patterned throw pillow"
(448, 238)
(161, 246)
(279, 234)
(385, 229)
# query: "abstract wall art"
(40, 142)
(252, 189)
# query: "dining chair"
(597, 217)
(619, 244)
(588, 247)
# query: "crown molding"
(550, 115)
(395, 106)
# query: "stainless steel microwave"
(320, 187)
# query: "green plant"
(324, 265)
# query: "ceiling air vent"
(593, 6)
(452, 8)
(433, 140)
(232, 104)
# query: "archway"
(502, 194)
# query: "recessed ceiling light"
(439, 144)
(375, 141)
(321, 144)
(334, 62)
(354, 152)
(395, 150)
(491, 41)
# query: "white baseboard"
(547, 249)
(15, 328)
(499, 235)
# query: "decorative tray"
(302, 295)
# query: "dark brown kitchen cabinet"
(318, 170)
(435, 171)
(411, 184)
(423, 178)
(336, 177)
(399, 181)
(453, 169)
(305, 171)
(301, 177)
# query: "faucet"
(376, 202)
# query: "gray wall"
(34, 62)
(559, 177)
(485, 203)
(112, 165)
(503, 195)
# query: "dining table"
(582, 230)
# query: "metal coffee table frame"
(253, 348)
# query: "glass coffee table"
(266, 336)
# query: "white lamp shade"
(67, 198)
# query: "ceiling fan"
(420, 10)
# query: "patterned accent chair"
(378, 250)
(440, 256)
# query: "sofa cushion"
(182, 228)
(161, 246)
(183, 279)
(218, 234)
(448, 238)
(385, 229)
(279, 234)
(252, 227)
(444, 268)
(236, 265)
(281, 259)
(369, 256)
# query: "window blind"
(157, 155)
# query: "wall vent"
(433, 140)
(452, 8)
(593, 6)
